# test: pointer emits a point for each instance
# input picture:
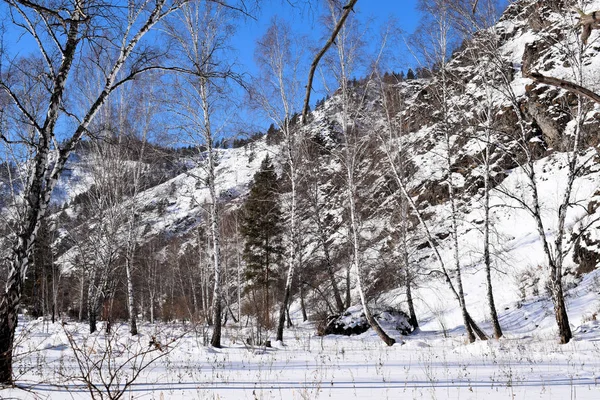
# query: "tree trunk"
(8, 321)
(92, 319)
(92, 308)
(130, 301)
(293, 228)
(475, 328)
(322, 235)
(487, 224)
(454, 233)
(151, 299)
(239, 273)
(217, 305)
(486, 253)
(329, 268)
(411, 308)
(302, 304)
(215, 227)
(7, 336)
(348, 295)
(407, 272)
(288, 318)
(560, 313)
(470, 325)
(282, 310)
(81, 296)
(356, 257)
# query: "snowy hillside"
(176, 207)
(465, 198)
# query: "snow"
(527, 362)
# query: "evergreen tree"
(410, 75)
(262, 229)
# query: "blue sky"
(305, 21)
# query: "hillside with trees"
(449, 205)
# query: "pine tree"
(262, 229)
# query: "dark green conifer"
(262, 230)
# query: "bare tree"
(391, 143)
(465, 23)
(202, 34)
(573, 47)
(277, 93)
(437, 31)
(318, 201)
(396, 156)
(97, 239)
(352, 147)
(134, 125)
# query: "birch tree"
(466, 22)
(202, 33)
(134, 124)
(277, 92)
(438, 46)
(573, 47)
(318, 201)
(441, 36)
(396, 157)
(523, 151)
(345, 59)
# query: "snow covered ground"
(527, 363)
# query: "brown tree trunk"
(215, 340)
(377, 328)
(302, 304)
(411, 307)
(560, 313)
(486, 243)
(282, 311)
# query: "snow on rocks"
(354, 322)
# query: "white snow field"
(527, 364)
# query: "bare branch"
(40, 9)
(347, 9)
(20, 105)
(563, 84)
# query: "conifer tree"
(262, 229)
